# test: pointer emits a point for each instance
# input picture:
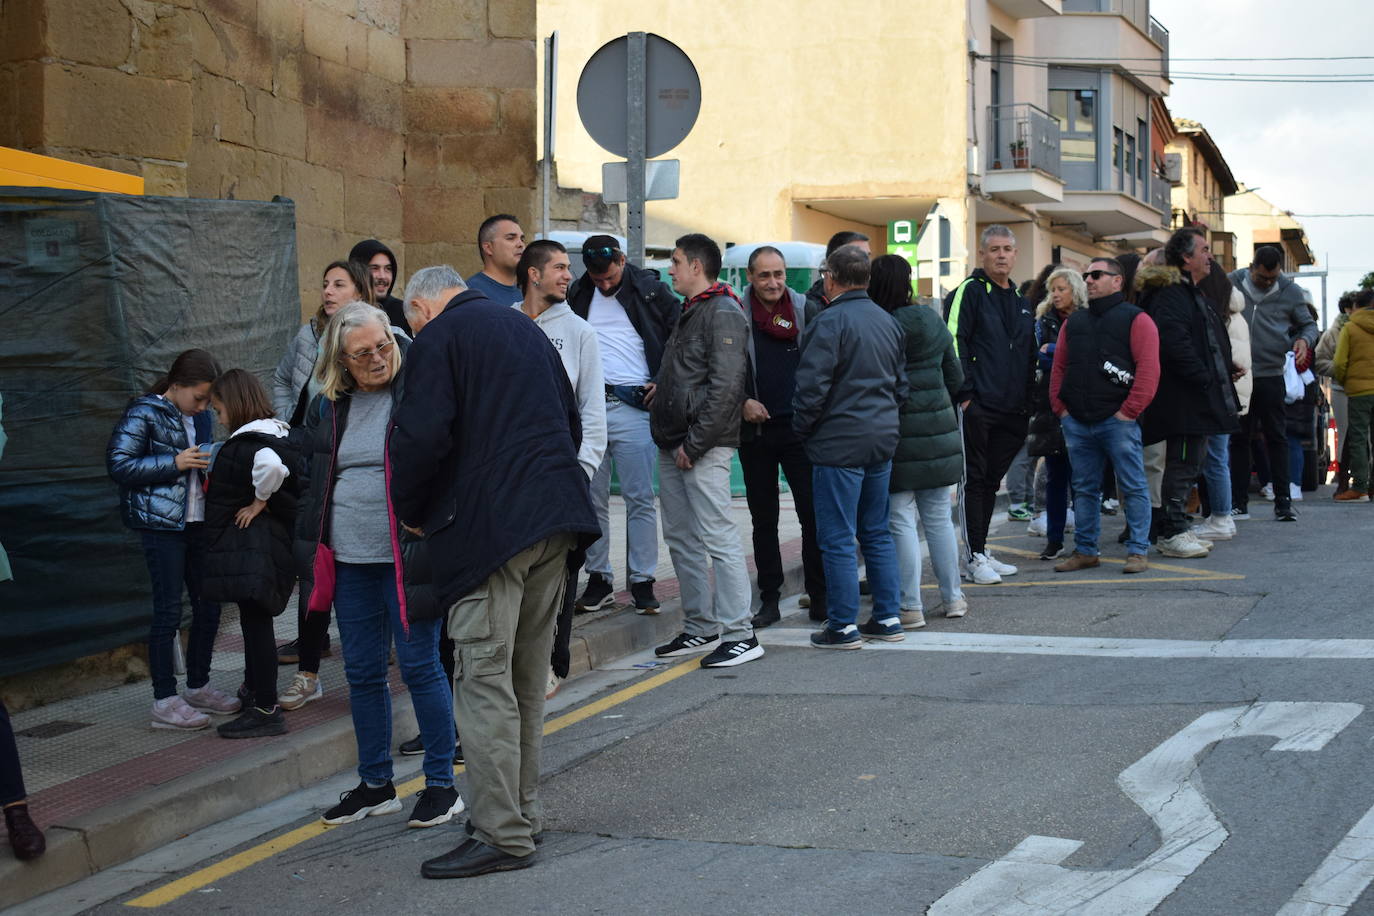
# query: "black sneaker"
(289, 653)
(889, 630)
(732, 653)
(245, 696)
(356, 804)
(1285, 513)
(1053, 549)
(829, 638)
(768, 614)
(437, 805)
(598, 594)
(642, 593)
(684, 644)
(416, 746)
(458, 754)
(255, 723)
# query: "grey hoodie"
(576, 344)
(1277, 319)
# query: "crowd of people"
(433, 470)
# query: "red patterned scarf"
(782, 323)
(710, 292)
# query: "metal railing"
(1023, 137)
(1161, 199)
(1160, 36)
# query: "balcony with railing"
(1023, 163)
(1161, 199)
(1120, 34)
(1160, 36)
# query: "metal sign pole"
(550, 121)
(635, 86)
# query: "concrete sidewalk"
(106, 787)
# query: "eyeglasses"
(824, 271)
(1099, 274)
(363, 356)
(604, 254)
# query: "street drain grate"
(54, 729)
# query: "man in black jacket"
(994, 335)
(381, 268)
(851, 383)
(632, 312)
(484, 466)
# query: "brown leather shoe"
(1135, 563)
(1077, 561)
(1350, 496)
(25, 836)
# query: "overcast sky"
(1306, 148)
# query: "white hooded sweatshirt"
(576, 344)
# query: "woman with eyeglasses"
(348, 511)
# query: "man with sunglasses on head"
(632, 312)
(1106, 369)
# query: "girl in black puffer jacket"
(250, 515)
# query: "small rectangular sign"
(660, 180)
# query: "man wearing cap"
(632, 312)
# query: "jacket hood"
(270, 426)
(1363, 319)
(1156, 276)
(367, 249)
(555, 312)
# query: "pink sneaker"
(215, 702)
(173, 713)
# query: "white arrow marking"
(1341, 878)
(1029, 881)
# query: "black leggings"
(259, 653)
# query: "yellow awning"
(33, 171)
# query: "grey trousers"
(502, 634)
(1154, 472)
(698, 526)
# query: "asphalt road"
(1193, 740)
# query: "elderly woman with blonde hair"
(1065, 292)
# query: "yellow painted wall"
(800, 99)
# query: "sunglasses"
(1099, 274)
(604, 254)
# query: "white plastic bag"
(1293, 387)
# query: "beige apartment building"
(1256, 222)
(953, 114)
(1202, 181)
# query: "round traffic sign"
(672, 96)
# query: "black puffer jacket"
(1195, 395)
(1044, 435)
(255, 563)
(702, 380)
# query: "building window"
(1076, 112)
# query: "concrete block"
(286, 79)
(511, 18)
(381, 103)
(165, 46)
(444, 19)
(316, 246)
(317, 191)
(144, 12)
(422, 160)
(342, 7)
(438, 215)
(9, 107)
(283, 20)
(450, 111)
(220, 110)
(240, 12)
(519, 111)
(207, 47)
(372, 209)
(231, 172)
(105, 110)
(248, 55)
(21, 30)
(461, 255)
(326, 34)
(499, 64)
(163, 179)
(65, 862)
(278, 124)
(386, 56)
(518, 202)
(353, 147)
(28, 107)
(488, 160)
(381, 14)
(355, 41)
(98, 32)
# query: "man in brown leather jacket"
(695, 418)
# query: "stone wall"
(404, 120)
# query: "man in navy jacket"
(483, 460)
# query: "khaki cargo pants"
(503, 633)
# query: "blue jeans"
(175, 559)
(853, 503)
(1216, 471)
(1090, 445)
(368, 612)
(631, 447)
(1058, 473)
(936, 515)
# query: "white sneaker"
(1002, 569)
(912, 620)
(305, 687)
(1182, 545)
(1039, 526)
(209, 699)
(1216, 528)
(1110, 505)
(981, 572)
(552, 687)
(956, 608)
(1295, 492)
(1202, 542)
(175, 713)
(1267, 491)
(1068, 521)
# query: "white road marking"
(1029, 881)
(1101, 647)
(1341, 878)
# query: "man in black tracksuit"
(994, 335)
